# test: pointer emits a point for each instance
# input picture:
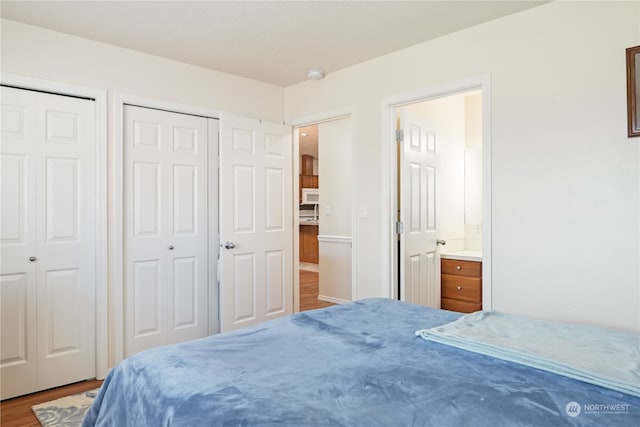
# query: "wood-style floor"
(17, 412)
(309, 289)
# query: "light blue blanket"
(604, 357)
(357, 364)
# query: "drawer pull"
(458, 267)
(459, 288)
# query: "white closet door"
(255, 222)
(47, 240)
(18, 243)
(165, 228)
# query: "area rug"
(65, 412)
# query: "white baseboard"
(333, 300)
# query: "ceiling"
(271, 41)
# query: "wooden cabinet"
(307, 178)
(306, 165)
(461, 287)
(309, 243)
(310, 181)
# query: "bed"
(358, 364)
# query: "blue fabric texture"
(358, 364)
(599, 356)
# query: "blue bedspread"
(358, 364)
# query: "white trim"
(116, 270)
(388, 167)
(213, 243)
(295, 184)
(333, 239)
(333, 300)
(316, 119)
(101, 291)
(298, 122)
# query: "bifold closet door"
(165, 227)
(47, 240)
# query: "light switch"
(364, 210)
(327, 210)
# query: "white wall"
(566, 184)
(334, 231)
(335, 175)
(473, 172)
(38, 52)
(566, 181)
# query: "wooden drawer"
(462, 288)
(461, 268)
(459, 306)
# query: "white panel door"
(18, 285)
(47, 237)
(420, 269)
(165, 226)
(255, 222)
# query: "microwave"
(310, 196)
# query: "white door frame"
(389, 169)
(297, 123)
(116, 224)
(100, 98)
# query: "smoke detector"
(315, 73)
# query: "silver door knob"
(170, 247)
(32, 258)
(441, 242)
(229, 245)
(459, 288)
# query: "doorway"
(324, 213)
(454, 217)
(308, 199)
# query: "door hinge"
(399, 227)
(399, 135)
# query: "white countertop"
(463, 255)
(308, 221)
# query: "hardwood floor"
(309, 289)
(17, 412)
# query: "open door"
(420, 260)
(255, 222)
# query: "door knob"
(441, 242)
(170, 247)
(229, 245)
(32, 258)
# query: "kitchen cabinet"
(307, 165)
(461, 285)
(308, 179)
(309, 243)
